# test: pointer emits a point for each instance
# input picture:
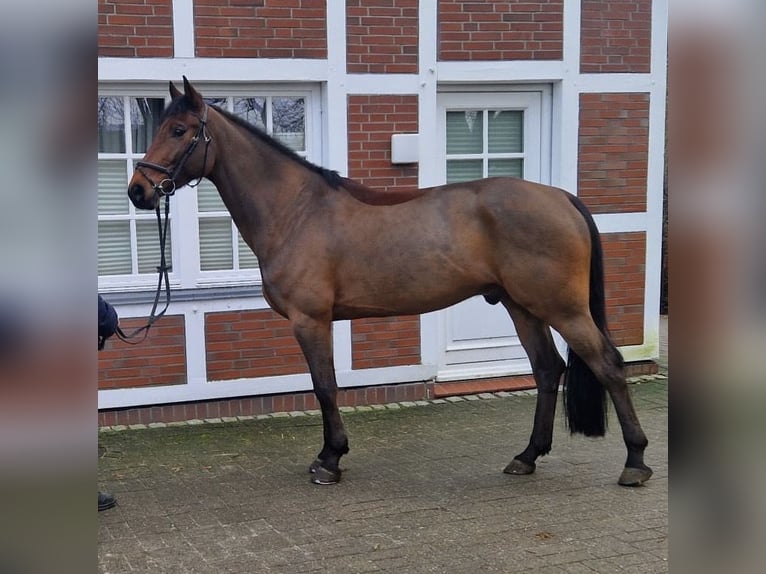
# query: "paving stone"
(422, 492)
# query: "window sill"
(183, 295)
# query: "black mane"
(331, 177)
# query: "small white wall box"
(404, 148)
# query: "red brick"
(613, 151)
(248, 344)
(624, 264)
(159, 360)
(124, 29)
(491, 30)
(256, 30)
(607, 28)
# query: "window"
(126, 238)
(484, 143)
(491, 134)
(213, 252)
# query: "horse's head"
(180, 151)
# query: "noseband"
(159, 188)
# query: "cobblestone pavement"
(422, 491)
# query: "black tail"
(584, 395)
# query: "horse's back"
(446, 244)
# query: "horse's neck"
(260, 187)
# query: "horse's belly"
(420, 295)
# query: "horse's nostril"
(136, 192)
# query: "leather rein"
(160, 188)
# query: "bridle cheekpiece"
(160, 188)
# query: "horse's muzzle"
(137, 195)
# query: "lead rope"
(163, 270)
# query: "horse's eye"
(178, 131)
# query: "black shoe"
(106, 501)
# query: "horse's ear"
(193, 95)
(174, 92)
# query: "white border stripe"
(183, 28)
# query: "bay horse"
(332, 249)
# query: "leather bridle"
(163, 269)
(160, 188)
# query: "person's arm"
(107, 319)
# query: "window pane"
(148, 241)
(506, 167)
(114, 248)
(465, 132)
(288, 115)
(111, 125)
(112, 187)
(506, 131)
(252, 110)
(220, 102)
(145, 116)
(208, 198)
(247, 259)
(215, 245)
(464, 170)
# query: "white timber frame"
(562, 78)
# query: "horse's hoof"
(315, 465)
(320, 475)
(517, 466)
(634, 476)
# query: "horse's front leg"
(315, 339)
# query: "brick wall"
(385, 342)
(501, 30)
(624, 264)
(615, 36)
(382, 36)
(371, 122)
(613, 151)
(158, 360)
(244, 344)
(260, 28)
(135, 28)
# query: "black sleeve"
(107, 319)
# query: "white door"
(485, 135)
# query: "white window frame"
(134, 281)
(184, 213)
(534, 101)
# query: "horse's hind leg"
(547, 366)
(315, 339)
(605, 362)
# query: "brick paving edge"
(358, 409)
